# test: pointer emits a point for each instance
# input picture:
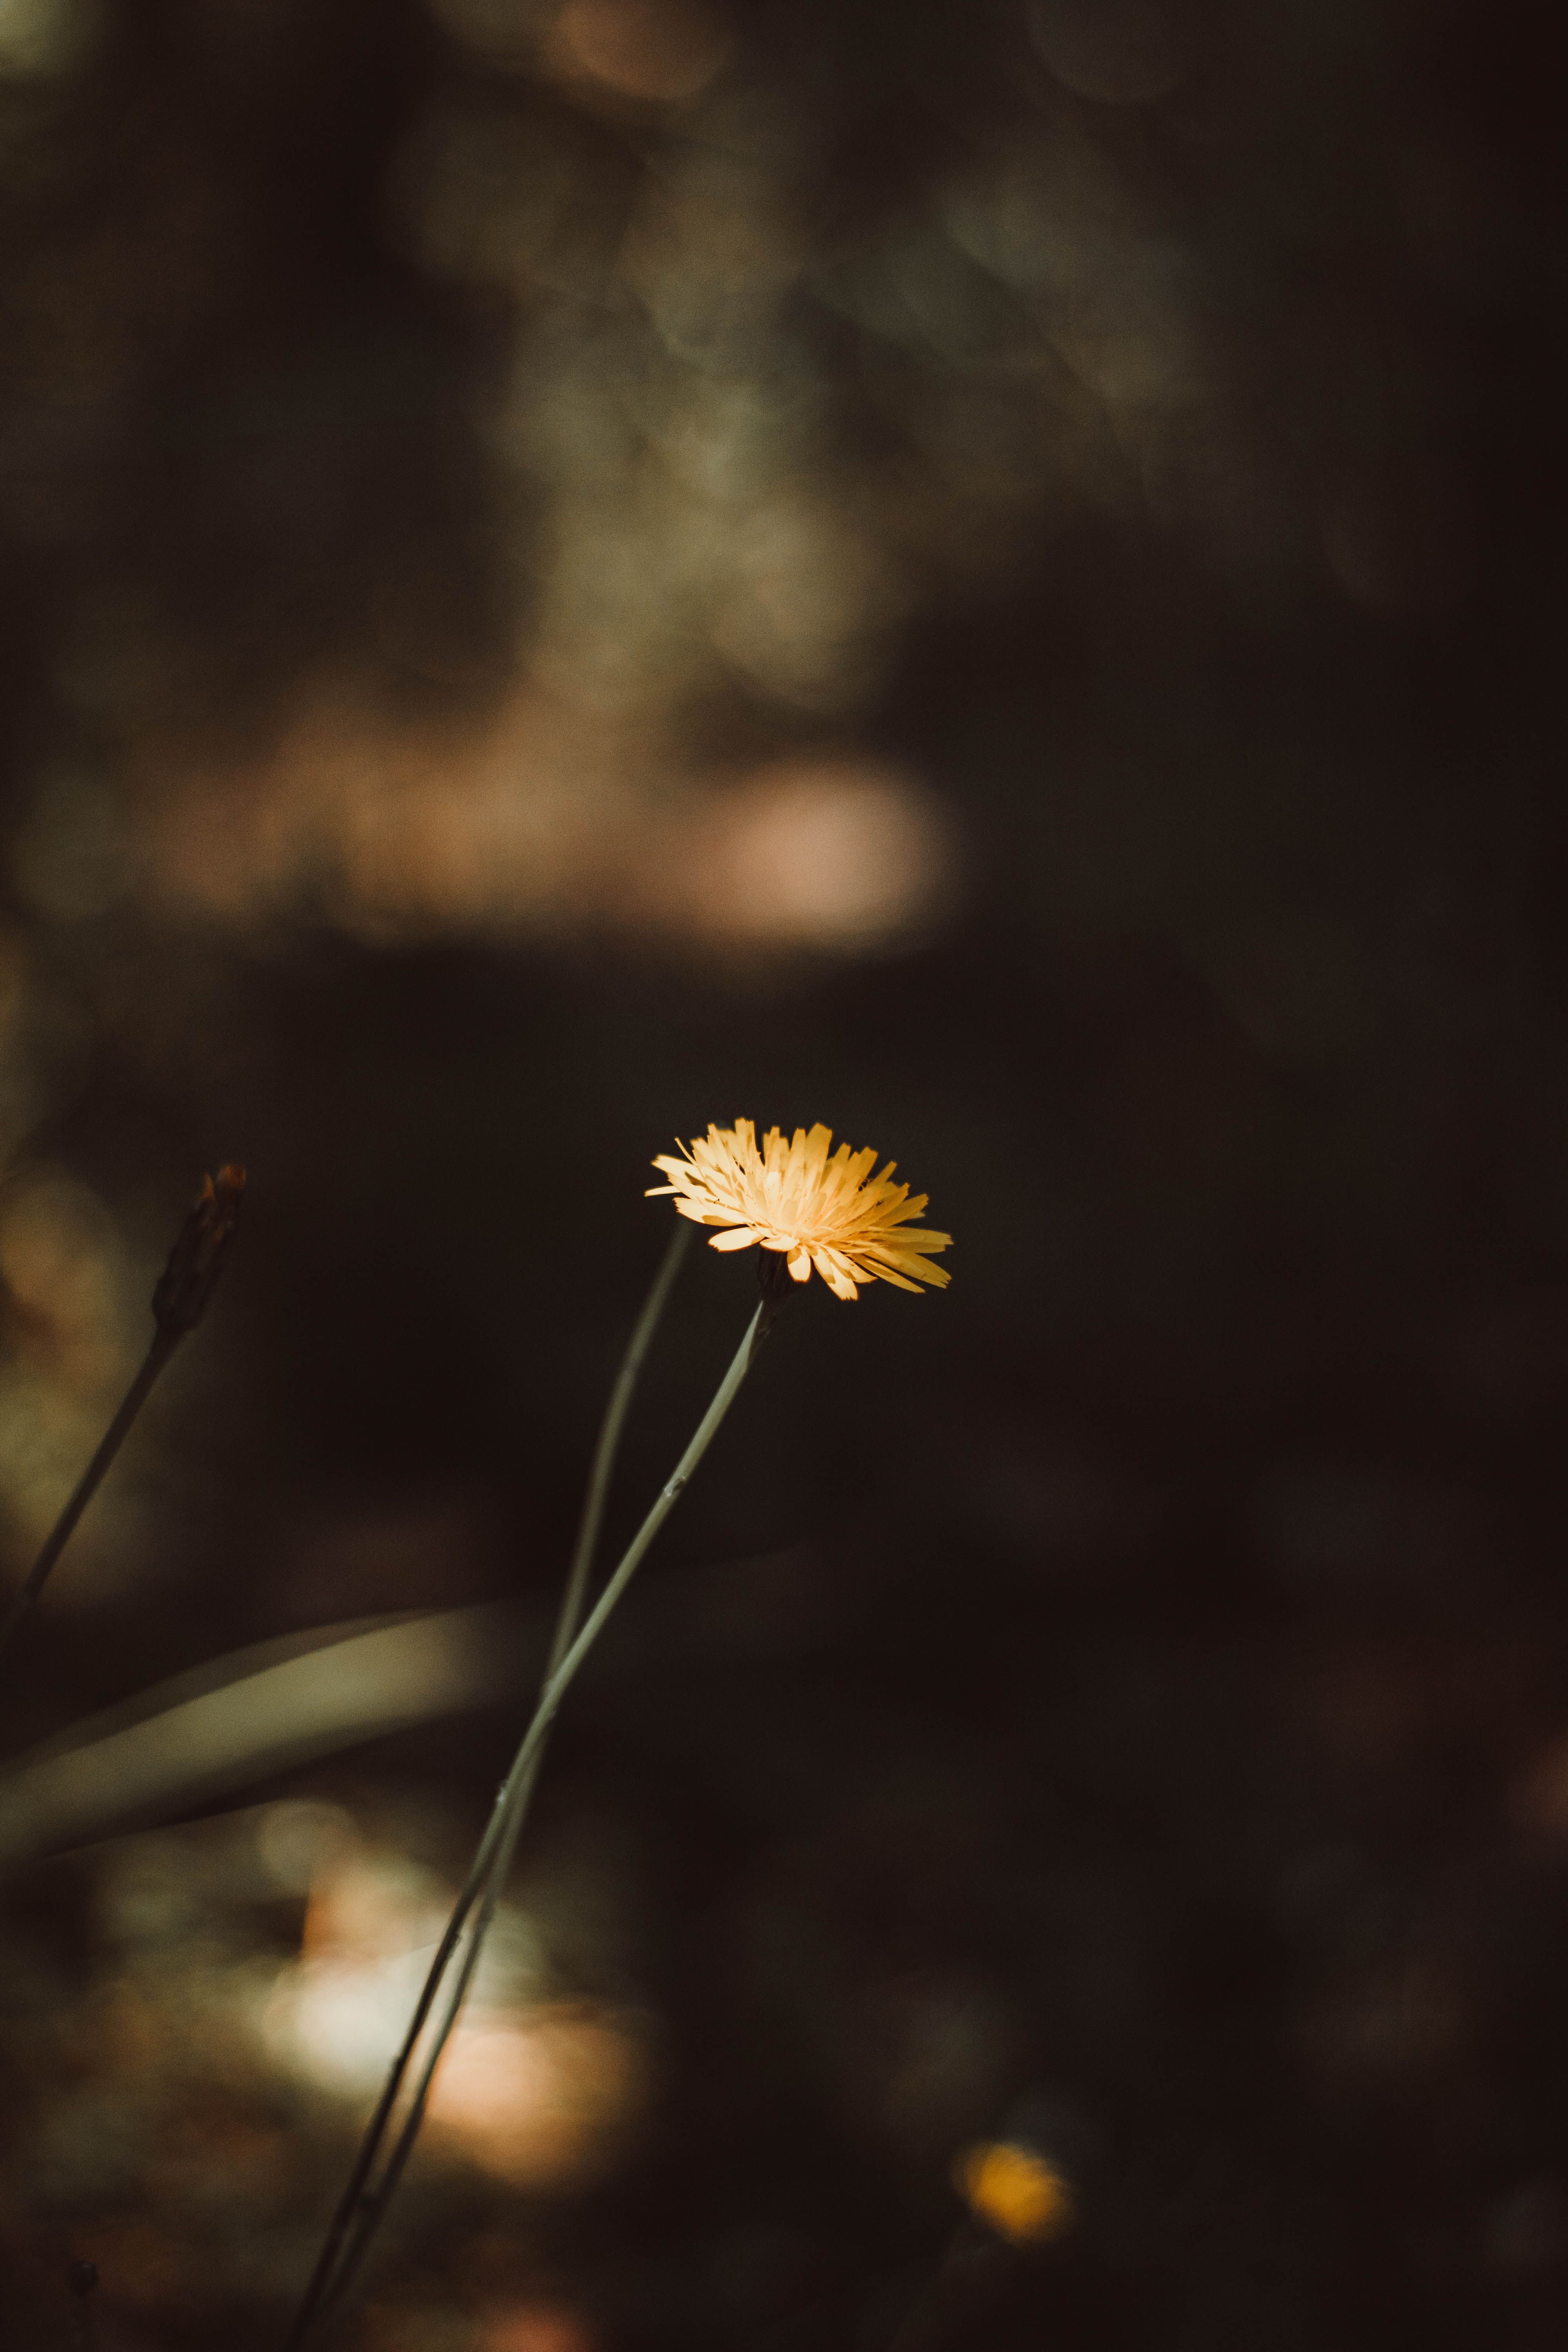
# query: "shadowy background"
(988, 574)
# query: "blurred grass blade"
(257, 1711)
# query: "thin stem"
(609, 1444)
(507, 1822)
(375, 2202)
(163, 1345)
(353, 2197)
(181, 1298)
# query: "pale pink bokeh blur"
(535, 2089)
(541, 823)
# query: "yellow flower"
(791, 1197)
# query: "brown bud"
(198, 1256)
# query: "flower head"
(827, 1213)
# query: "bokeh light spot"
(1015, 2190)
(41, 37)
(663, 50)
(535, 2327)
(823, 854)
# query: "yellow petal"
(817, 1206)
(886, 1274)
(836, 1280)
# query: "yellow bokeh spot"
(1020, 2194)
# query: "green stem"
(163, 1345)
(516, 1789)
(353, 2197)
(609, 1445)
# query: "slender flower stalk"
(520, 1783)
(179, 1302)
(608, 1446)
(359, 2208)
(86, 1486)
(810, 1212)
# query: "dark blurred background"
(988, 574)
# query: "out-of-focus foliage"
(982, 573)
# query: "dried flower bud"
(198, 1256)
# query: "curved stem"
(518, 1787)
(353, 2197)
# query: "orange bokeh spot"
(1017, 2192)
(535, 2327)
